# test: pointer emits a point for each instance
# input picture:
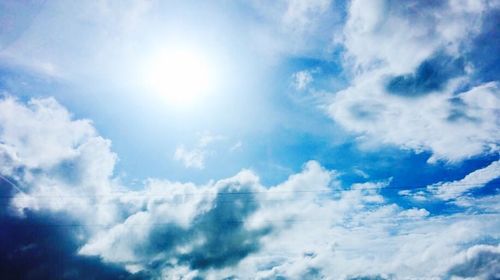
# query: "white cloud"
(486, 203)
(421, 124)
(361, 173)
(457, 191)
(44, 68)
(478, 262)
(190, 158)
(384, 40)
(351, 233)
(294, 26)
(195, 158)
(307, 224)
(398, 36)
(302, 79)
(25, 134)
(302, 15)
(62, 165)
(473, 180)
(236, 146)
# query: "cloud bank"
(309, 226)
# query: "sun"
(181, 77)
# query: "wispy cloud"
(236, 146)
(302, 79)
(458, 190)
(474, 180)
(195, 158)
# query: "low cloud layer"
(309, 226)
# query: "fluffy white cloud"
(425, 123)
(478, 262)
(405, 59)
(307, 226)
(398, 36)
(180, 224)
(61, 164)
(30, 140)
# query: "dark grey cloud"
(431, 75)
(313, 273)
(484, 51)
(458, 111)
(366, 111)
(44, 246)
(225, 240)
(310, 273)
(481, 51)
(485, 264)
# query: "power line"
(225, 200)
(12, 184)
(131, 193)
(221, 220)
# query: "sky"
(286, 139)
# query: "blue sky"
(289, 139)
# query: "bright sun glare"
(181, 77)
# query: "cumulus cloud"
(53, 155)
(30, 249)
(479, 262)
(399, 36)
(414, 69)
(310, 225)
(199, 227)
(413, 79)
(451, 127)
(36, 144)
(56, 172)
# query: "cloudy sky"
(231, 139)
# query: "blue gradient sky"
(380, 117)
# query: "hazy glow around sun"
(180, 76)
